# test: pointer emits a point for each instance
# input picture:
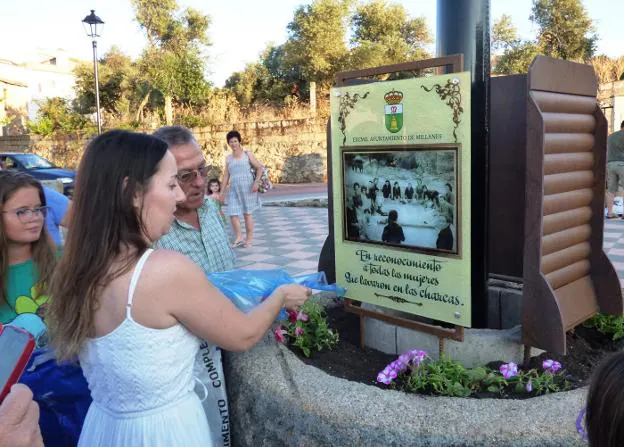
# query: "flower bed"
(414, 371)
(587, 346)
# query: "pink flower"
(508, 370)
(292, 316)
(279, 334)
(299, 331)
(302, 316)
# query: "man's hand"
(19, 419)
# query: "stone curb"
(277, 400)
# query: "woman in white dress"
(132, 315)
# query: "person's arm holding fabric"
(207, 313)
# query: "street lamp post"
(93, 27)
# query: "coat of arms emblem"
(393, 110)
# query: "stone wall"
(294, 151)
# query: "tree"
(516, 58)
(244, 83)
(565, 30)
(173, 63)
(269, 80)
(57, 115)
(117, 85)
(317, 43)
(384, 34)
(504, 34)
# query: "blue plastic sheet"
(248, 288)
(63, 397)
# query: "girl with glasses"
(26, 252)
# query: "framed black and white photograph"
(406, 197)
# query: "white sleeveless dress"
(141, 380)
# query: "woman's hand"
(254, 187)
(295, 295)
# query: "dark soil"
(586, 348)
(348, 360)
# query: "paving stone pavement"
(289, 238)
(614, 245)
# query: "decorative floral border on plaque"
(451, 93)
(347, 102)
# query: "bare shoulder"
(168, 267)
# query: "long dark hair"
(105, 224)
(605, 404)
(42, 248)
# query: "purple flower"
(414, 356)
(580, 428)
(279, 334)
(391, 371)
(529, 386)
(508, 370)
(419, 356)
(551, 366)
(302, 316)
(299, 331)
(382, 377)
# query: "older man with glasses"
(197, 231)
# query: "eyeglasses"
(26, 214)
(186, 177)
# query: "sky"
(239, 31)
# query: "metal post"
(97, 88)
(464, 27)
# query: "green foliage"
(444, 377)
(172, 64)
(316, 48)
(611, 325)
(565, 31)
(56, 115)
(504, 34)
(117, 82)
(267, 81)
(317, 40)
(384, 34)
(517, 58)
(313, 334)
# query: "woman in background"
(241, 188)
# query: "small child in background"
(214, 193)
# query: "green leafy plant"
(612, 325)
(307, 330)
(414, 371)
